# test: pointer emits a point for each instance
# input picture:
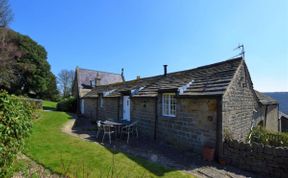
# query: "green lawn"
(66, 154)
(49, 105)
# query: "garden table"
(117, 125)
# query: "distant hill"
(282, 98)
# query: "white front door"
(126, 108)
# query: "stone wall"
(194, 125)
(271, 120)
(110, 110)
(143, 109)
(271, 123)
(265, 160)
(238, 104)
(90, 106)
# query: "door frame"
(126, 108)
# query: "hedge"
(15, 123)
(68, 105)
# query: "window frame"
(168, 100)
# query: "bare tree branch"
(6, 14)
(65, 80)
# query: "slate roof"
(282, 115)
(264, 99)
(84, 76)
(207, 80)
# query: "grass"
(73, 157)
(24, 167)
(49, 105)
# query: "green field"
(74, 157)
(49, 105)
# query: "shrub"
(15, 124)
(34, 103)
(67, 105)
(260, 135)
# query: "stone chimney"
(138, 77)
(97, 80)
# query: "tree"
(65, 82)
(6, 15)
(7, 52)
(26, 70)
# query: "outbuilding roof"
(282, 115)
(264, 99)
(206, 80)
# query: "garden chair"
(129, 130)
(108, 130)
(99, 128)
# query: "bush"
(35, 103)
(15, 124)
(260, 135)
(67, 105)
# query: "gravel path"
(164, 156)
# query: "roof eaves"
(96, 71)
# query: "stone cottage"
(86, 79)
(188, 109)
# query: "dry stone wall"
(266, 160)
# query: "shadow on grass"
(155, 157)
(49, 108)
(84, 127)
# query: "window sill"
(168, 116)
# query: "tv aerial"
(242, 52)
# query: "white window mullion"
(168, 104)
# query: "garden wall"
(258, 158)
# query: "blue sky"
(142, 35)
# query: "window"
(169, 104)
(92, 83)
(101, 101)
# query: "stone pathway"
(158, 153)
